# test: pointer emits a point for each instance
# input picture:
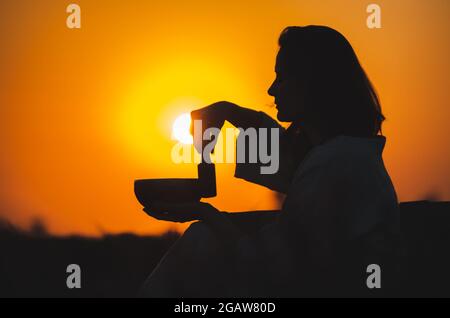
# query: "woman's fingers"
(156, 215)
(168, 207)
(166, 216)
(180, 212)
(212, 116)
(175, 212)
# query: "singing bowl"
(166, 190)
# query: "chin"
(282, 117)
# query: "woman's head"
(319, 81)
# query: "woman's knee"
(198, 230)
(200, 236)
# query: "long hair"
(339, 95)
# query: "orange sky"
(85, 112)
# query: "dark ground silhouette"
(34, 264)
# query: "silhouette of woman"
(341, 211)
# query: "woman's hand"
(215, 115)
(181, 212)
(227, 232)
(212, 116)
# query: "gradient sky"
(85, 112)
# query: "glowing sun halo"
(180, 129)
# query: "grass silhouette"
(33, 264)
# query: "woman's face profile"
(288, 91)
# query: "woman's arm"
(252, 221)
(215, 115)
(229, 227)
(244, 117)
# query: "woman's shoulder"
(346, 176)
